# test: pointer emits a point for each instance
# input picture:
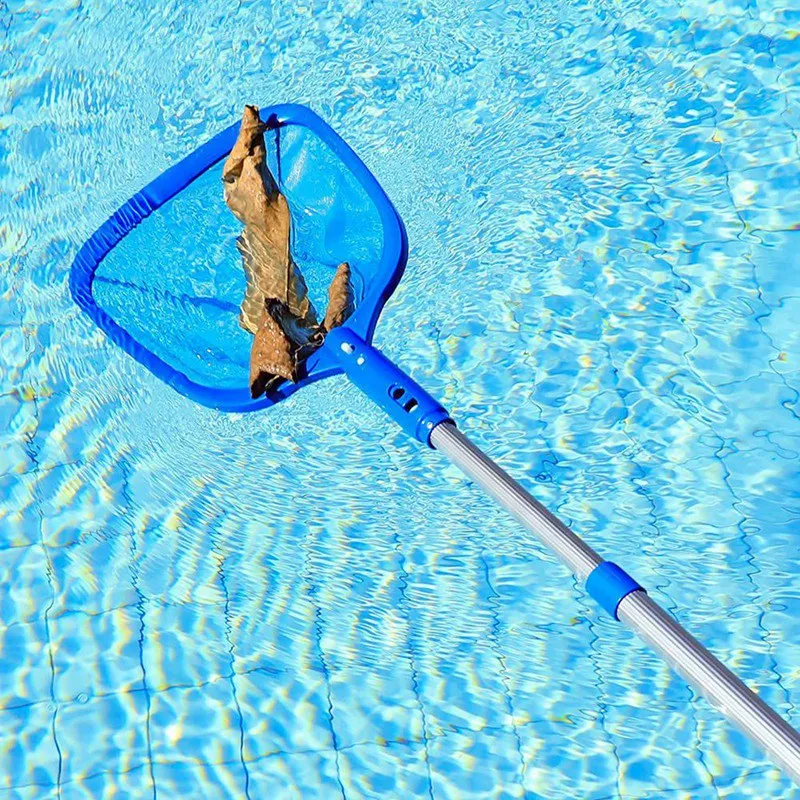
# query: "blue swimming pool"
(601, 200)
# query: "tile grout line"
(493, 601)
(32, 451)
(140, 605)
(412, 663)
(231, 651)
(317, 626)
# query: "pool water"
(602, 205)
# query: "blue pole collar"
(609, 585)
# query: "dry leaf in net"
(253, 195)
(273, 354)
(341, 298)
(276, 308)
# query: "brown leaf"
(253, 195)
(249, 142)
(272, 356)
(341, 298)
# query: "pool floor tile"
(185, 779)
(26, 591)
(176, 567)
(28, 750)
(74, 509)
(476, 765)
(196, 725)
(32, 793)
(283, 712)
(102, 734)
(296, 777)
(569, 757)
(275, 632)
(185, 645)
(465, 691)
(25, 672)
(383, 771)
(96, 654)
(93, 575)
(375, 706)
(19, 520)
(132, 784)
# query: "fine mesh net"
(175, 282)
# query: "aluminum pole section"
(637, 610)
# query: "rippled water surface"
(603, 205)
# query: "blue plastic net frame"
(167, 185)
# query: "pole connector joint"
(609, 585)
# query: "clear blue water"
(602, 202)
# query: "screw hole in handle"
(399, 395)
